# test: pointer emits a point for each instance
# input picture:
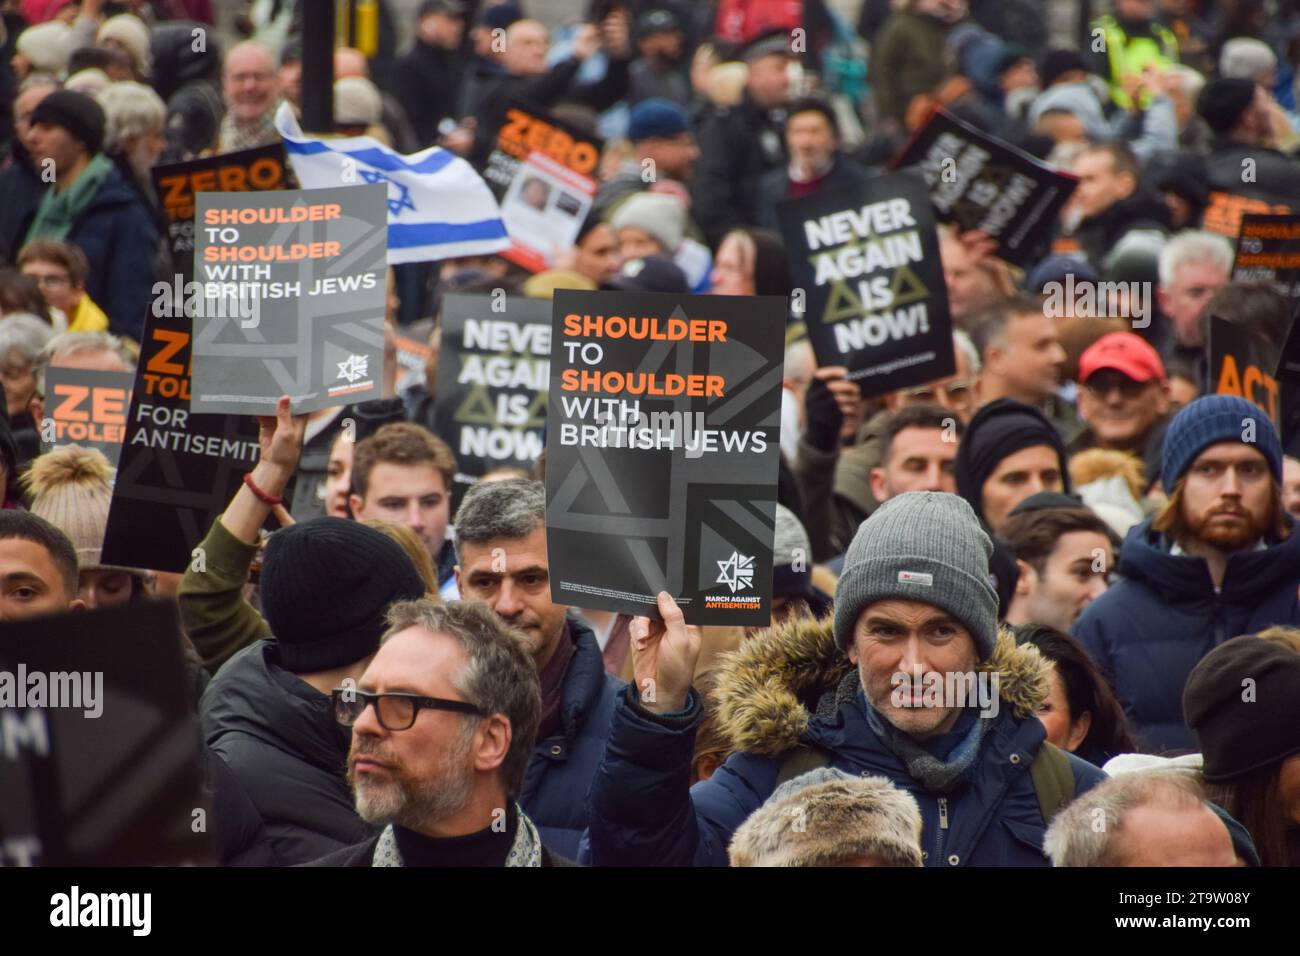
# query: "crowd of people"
(1093, 550)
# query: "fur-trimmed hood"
(768, 690)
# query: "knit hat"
(78, 113)
(1045, 501)
(825, 817)
(657, 117)
(1222, 101)
(998, 430)
(500, 17)
(71, 488)
(1211, 419)
(357, 102)
(791, 556)
(326, 584)
(1243, 701)
(920, 546)
(650, 274)
(663, 217)
(129, 30)
(92, 81)
(47, 45)
(1055, 268)
(1057, 62)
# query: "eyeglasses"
(53, 282)
(957, 393)
(394, 711)
(1099, 386)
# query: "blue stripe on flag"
(388, 162)
(406, 236)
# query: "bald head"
(250, 82)
(349, 61)
(526, 45)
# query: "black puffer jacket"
(278, 736)
(1099, 234)
(189, 81)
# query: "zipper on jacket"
(943, 813)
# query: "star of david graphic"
(403, 198)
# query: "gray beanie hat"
(660, 215)
(921, 546)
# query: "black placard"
(867, 260)
(662, 452)
(105, 769)
(977, 181)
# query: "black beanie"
(326, 584)
(1221, 102)
(1244, 726)
(78, 113)
(1058, 62)
(999, 429)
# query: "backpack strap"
(799, 760)
(1053, 780)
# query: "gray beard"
(416, 804)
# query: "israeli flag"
(438, 206)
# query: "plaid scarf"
(236, 136)
(525, 851)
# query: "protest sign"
(290, 299)
(493, 376)
(1227, 209)
(867, 260)
(100, 754)
(1244, 364)
(86, 407)
(1268, 250)
(178, 469)
(1288, 366)
(662, 450)
(977, 181)
(544, 172)
(176, 185)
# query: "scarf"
(59, 209)
(935, 775)
(236, 136)
(525, 851)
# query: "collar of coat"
(767, 691)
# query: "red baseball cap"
(1124, 352)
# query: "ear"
(1078, 731)
(36, 406)
(702, 767)
(1162, 299)
(456, 570)
(1028, 580)
(355, 503)
(877, 479)
(1163, 403)
(493, 743)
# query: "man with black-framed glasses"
(443, 722)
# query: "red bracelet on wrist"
(262, 496)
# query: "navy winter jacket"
(120, 241)
(1148, 631)
(644, 813)
(560, 772)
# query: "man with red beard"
(443, 722)
(1221, 558)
